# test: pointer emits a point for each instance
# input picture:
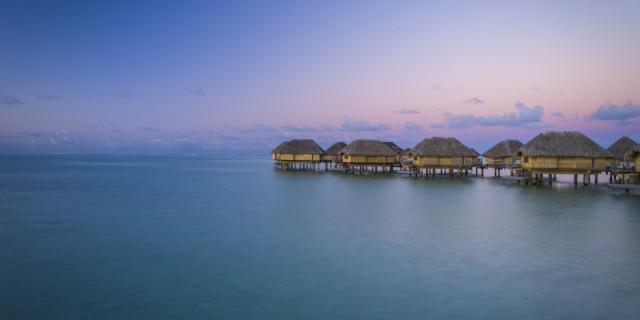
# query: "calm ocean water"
(115, 237)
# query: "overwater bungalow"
(619, 149)
(368, 155)
(298, 154)
(502, 155)
(444, 154)
(331, 156)
(566, 152)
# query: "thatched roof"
(503, 149)
(393, 146)
(299, 146)
(335, 149)
(633, 152)
(563, 144)
(620, 147)
(442, 147)
(365, 147)
(474, 151)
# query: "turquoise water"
(106, 237)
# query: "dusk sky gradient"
(204, 77)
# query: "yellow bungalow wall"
(638, 162)
(503, 160)
(295, 157)
(443, 162)
(565, 163)
(369, 159)
(331, 158)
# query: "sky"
(204, 77)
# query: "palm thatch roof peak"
(367, 147)
(299, 146)
(335, 148)
(621, 146)
(563, 144)
(503, 149)
(442, 147)
(393, 146)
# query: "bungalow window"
(415, 158)
(346, 157)
(526, 159)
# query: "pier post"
(575, 179)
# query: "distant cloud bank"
(47, 96)
(407, 111)
(618, 113)
(474, 100)
(523, 116)
(9, 100)
(354, 125)
(412, 126)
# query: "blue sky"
(205, 77)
